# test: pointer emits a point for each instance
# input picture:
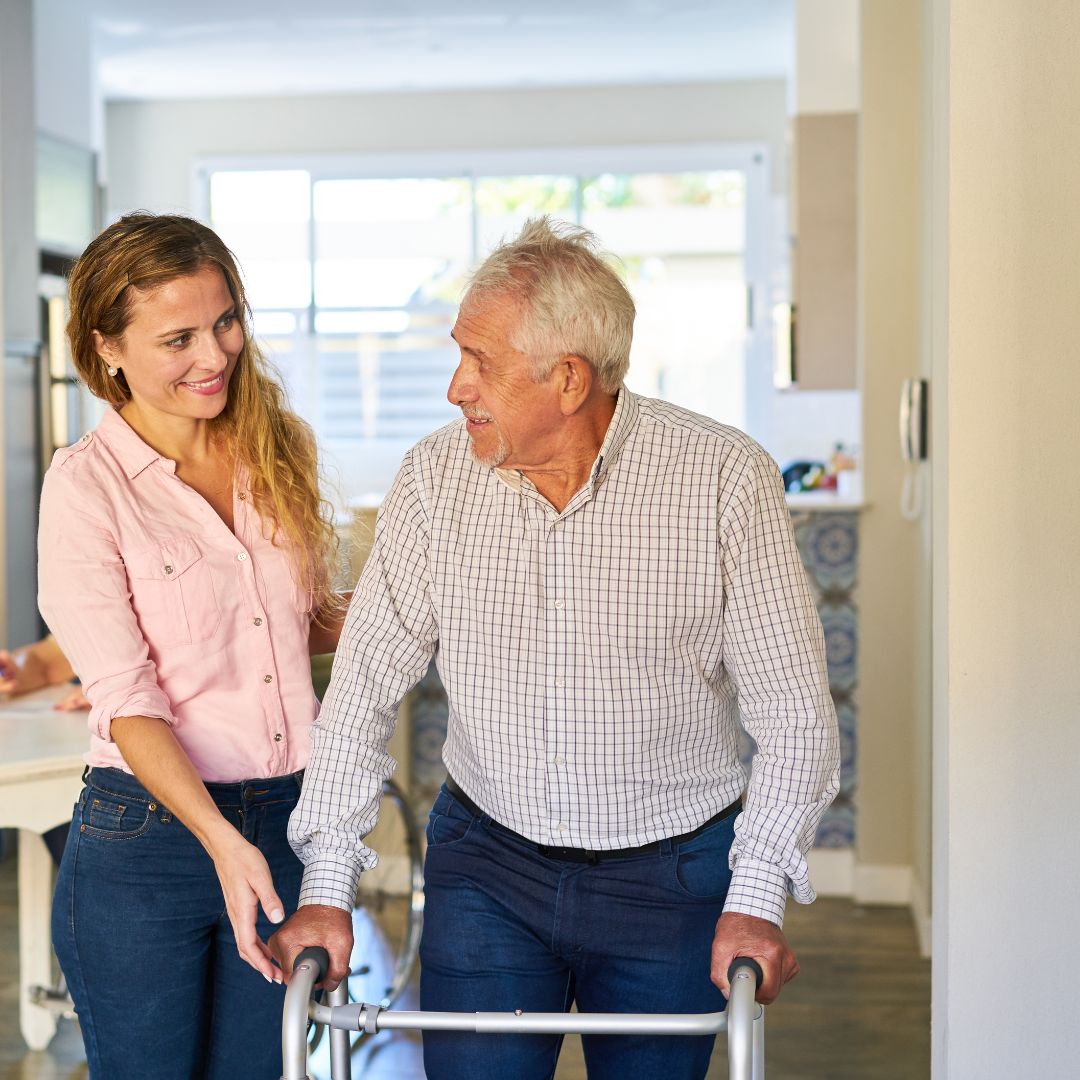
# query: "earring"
(113, 371)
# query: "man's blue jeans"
(507, 928)
(140, 927)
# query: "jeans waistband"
(241, 793)
(587, 855)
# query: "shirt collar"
(619, 427)
(133, 454)
(622, 423)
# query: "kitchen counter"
(824, 500)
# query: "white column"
(18, 319)
(1007, 740)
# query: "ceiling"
(210, 48)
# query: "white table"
(41, 767)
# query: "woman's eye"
(179, 342)
(226, 321)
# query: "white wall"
(1007, 744)
(151, 145)
(891, 579)
(828, 56)
(18, 324)
(67, 103)
(151, 148)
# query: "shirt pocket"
(172, 591)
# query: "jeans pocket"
(449, 822)
(114, 817)
(701, 865)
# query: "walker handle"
(319, 956)
(309, 966)
(746, 962)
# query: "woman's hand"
(30, 667)
(246, 882)
(160, 764)
(73, 701)
(9, 673)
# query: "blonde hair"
(144, 251)
(571, 300)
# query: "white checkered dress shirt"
(596, 660)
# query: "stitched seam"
(92, 1053)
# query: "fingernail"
(277, 915)
(266, 977)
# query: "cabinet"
(824, 257)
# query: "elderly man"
(608, 582)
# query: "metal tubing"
(340, 1045)
(294, 1020)
(352, 1018)
(744, 1022)
(759, 1044)
(743, 1010)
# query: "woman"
(185, 569)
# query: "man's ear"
(575, 382)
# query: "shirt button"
(560, 683)
(242, 557)
(268, 678)
(168, 569)
(242, 495)
(561, 827)
(558, 759)
(277, 737)
(557, 527)
(258, 622)
(558, 605)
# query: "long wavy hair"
(143, 251)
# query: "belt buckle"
(569, 854)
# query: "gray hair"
(572, 302)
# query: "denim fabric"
(140, 927)
(508, 928)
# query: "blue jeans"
(508, 928)
(140, 927)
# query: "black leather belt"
(585, 855)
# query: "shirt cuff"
(758, 889)
(330, 880)
(139, 701)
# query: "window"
(355, 282)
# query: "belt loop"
(665, 848)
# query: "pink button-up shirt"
(165, 612)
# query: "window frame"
(765, 251)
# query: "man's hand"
(316, 924)
(761, 940)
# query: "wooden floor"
(860, 1010)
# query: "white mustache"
(472, 414)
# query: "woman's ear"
(105, 348)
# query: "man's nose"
(461, 390)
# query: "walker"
(744, 1021)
